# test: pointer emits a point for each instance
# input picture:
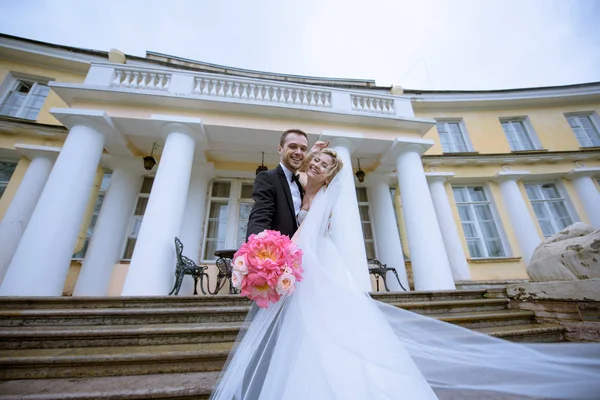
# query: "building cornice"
(511, 158)
(514, 98)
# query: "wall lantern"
(149, 161)
(360, 174)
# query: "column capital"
(439, 176)
(510, 175)
(402, 145)
(580, 172)
(32, 151)
(193, 127)
(115, 141)
(98, 120)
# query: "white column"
(41, 262)
(518, 213)
(152, 267)
(23, 203)
(443, 212)
(431, 269)
(193, 220)
(588, 193)
(106, 244)
(387, 238)
(346, 226)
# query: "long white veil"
(330, 340)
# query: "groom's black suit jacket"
(273, 206)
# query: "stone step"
(112, 361)
(122, 316)
(48, 337)
(489, 284)
(53, 337)
(453, 306)
(420, 296)
(201, 314)
(531, 333)
(180, 386)
(487, 319)
(67, 303)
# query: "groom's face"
(293, 150)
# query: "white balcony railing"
(234, 92)
(372, 104)
(126, 78)
(261, 92)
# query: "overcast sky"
(419, 44)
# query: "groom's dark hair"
(286, 133)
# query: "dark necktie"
(296, 178)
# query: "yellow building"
(458, 186)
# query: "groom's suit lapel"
(286, 188)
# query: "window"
(518, 134)
(97, 206)
(452, 137)
(585, 130)
(365, 219)
(6, 170)
(25, 98)
(229, 208)
(478, 222)
(549, 207)
(138, 215)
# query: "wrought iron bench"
(379, 270)
(184, 267)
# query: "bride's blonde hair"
(334, 168)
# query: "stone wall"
(572, 304)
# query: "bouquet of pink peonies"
(267, 267)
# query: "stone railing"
(371, 104)
(126, 78)
(272, 93)
(233, 92)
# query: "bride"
(330, 340)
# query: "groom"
(277, 193)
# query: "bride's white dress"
(330, 340)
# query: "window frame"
(564, 197)
(527, 128)
(463, 131)
(11, 81)
(132, 216)
(495, 215)
(370, 221)
(594, 121)
(234, 202)
(98, 204)
(6, 183)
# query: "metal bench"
(379, 270)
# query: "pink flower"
(237, 278)
(266, 266)
(257, 289)
(285, 284)
(239, 264)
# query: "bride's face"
(319, 167)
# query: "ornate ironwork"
(184, 267)
(380, 270)
(224, 271)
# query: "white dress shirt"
(296, 198)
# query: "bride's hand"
(319, 145)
